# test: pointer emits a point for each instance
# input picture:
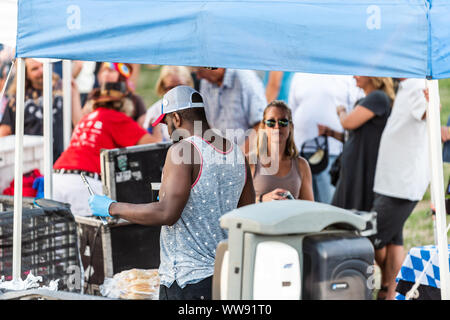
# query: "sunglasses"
(281, 123)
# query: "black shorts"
(392, 214)
(197, 291)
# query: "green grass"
(146, 84)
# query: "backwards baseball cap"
(179, 98)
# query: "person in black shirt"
(33, 112)
(365, 124)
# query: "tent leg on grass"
(437, 184)
(67, 101)
(18, 170)
(48, 129)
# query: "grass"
(146, 84)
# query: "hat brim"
(106, 99)
(158, 121)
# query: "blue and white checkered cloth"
(414, 265)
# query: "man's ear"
(176, 120)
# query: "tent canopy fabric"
(358, 37)
(439, 18)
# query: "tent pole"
(48, 129)
(18, 171)
(437, 184)
(67, 101)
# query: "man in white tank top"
(204, 177)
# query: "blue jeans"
(322, 187)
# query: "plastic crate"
(49, 242)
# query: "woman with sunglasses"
(278, 171)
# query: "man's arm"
(248, 193)
(250, 141)
(173, 196)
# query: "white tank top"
(188, 248)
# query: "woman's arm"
(273, 85)
(77, 113)
(248, 193)
(324, 130)
(356, 118)
(306, 189)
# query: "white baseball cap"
(179, 98)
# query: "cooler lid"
(289, 217)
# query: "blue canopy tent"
(394, 38)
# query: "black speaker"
(337, 266)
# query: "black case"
(127, 173)
(127, 176)
(116, 247)
(337, 266)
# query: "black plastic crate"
(49, 242)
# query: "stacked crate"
(33, 157)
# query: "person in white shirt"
(313, 99)
(83, 73)
(401, 178)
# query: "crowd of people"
(375, 129)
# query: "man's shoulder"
(182, 152)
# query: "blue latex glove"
(100, 205)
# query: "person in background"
(235, 101)
(196, 191)
(169, 78)
(4, 69)
(277, 85)
(278, 169)
(365, 124)
(107, 126)
(83, 73)
(33, 113)
(134, 78)
(402, 176)
(119, 72)
(313, 99)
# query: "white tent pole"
(432, 200)
(48, 130)
(67, 101)
(437, 185)
(18, 171)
